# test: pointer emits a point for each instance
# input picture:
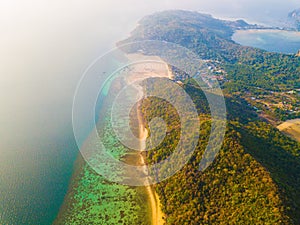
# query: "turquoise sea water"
(270, 40)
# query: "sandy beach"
(157, 214)
(140, 74)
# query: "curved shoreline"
(79, 196)
(157, 214)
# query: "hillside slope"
(254, 179)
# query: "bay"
(279, 41)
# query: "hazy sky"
(46, 46)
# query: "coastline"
(270, 30)
(91, 199)
(125, 203)
(157, 214)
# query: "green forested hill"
(249, 72)
(211, 39)
(255, 178)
